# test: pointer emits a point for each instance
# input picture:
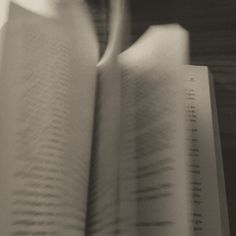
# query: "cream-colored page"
(208, 193)
(110, 211)
(153, 117)
(2, 35)
(3, 12)
(48, 81)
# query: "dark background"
(212, 27)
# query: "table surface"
(212, 27)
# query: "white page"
(153, 117)
(209, 200)
(47, 94)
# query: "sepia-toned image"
(117, 118)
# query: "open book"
(125, 145)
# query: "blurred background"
(212, 27)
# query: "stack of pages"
(124, 145)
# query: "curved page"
(47, 104)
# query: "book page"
(152, 125)
(3, 12)
(208, 191)
(48, 81)
(118, 15)
(2, 37)
(110, 211)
